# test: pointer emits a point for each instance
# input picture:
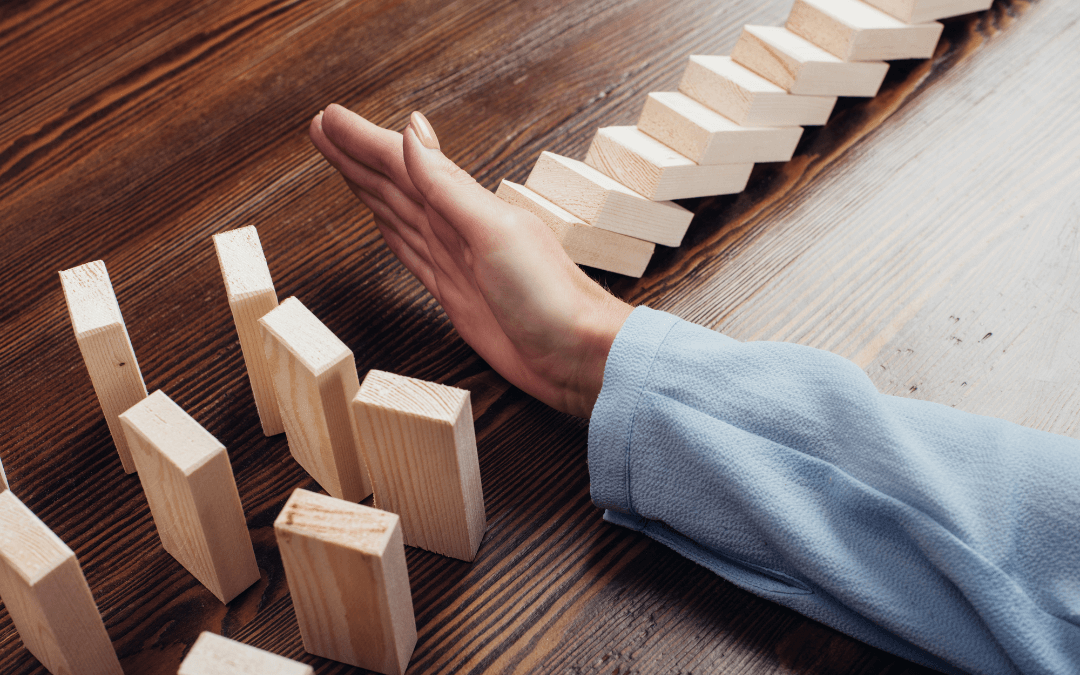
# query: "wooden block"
(920, 11)
(105, 346)
(48, 598)
(801, 67)
(216, 655)
(251, 295)
(605, 203)
(585, 244)
(745, 97)
(315, 378)
(420, 446)
(3, 478)
(345, 566)
(189, 485)
(855, 31)
(650, 168)
(707, 137)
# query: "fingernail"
(423, 130)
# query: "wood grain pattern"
(216, 655)
(160, 124)
(315, 378)
(653, 170)
(855, 31)
(251, 294)
(345, 564)
(420, 447)
(189, 486)
(46, 594)
(583, 243)
(3, 478)
(105, 346)
(605, 203)
(801, 67)
(747, 98)
(707, 137)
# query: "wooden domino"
(48, 598)
(707, 137)
(855, 31)
(652, 169)
(105, 346)
(345, 566)
(746, 98)
(920, 11)
(421, 448)
(583, 243)
(315, 378)
(801, 67)
(605, 203)
(189, 485)
(3, 478)
(251, 295)
(216, 655)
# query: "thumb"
(462, 202)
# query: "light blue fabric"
(947, 538)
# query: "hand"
(501, 276)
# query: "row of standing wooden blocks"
(410, 441)
(728, 114)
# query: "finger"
(368, 144)
(464, 204)
(390, 219)
(366, 177)
(413, 261)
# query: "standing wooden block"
(801, 67)
(605, 203)
(105, 346)
(315, 378)
(3, 478)
(919, 11)
(47, 597)
(420, 446)
(251, 295)
(216, 655)
(192, 494)
(345, 565)
(650, 168)
(855, 31)
(707, 137)
(745, 97)
(585, 244)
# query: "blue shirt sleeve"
(949, 539)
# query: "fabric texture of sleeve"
(947, 538)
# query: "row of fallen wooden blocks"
(410, 442)
(729, 113)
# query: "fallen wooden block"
(919, 11)
(707, 137)
(605, 203)
(345, 566)
(855, 31)
(189, 485)
(421, 449)
(251, 295)
(315, 378)
(747, 98)
(585, 244)
(105, 346)
(801, 67)
(650, 168)
(48, 598)
(215, 655)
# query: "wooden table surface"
(931, 234)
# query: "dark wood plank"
(929, 234)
